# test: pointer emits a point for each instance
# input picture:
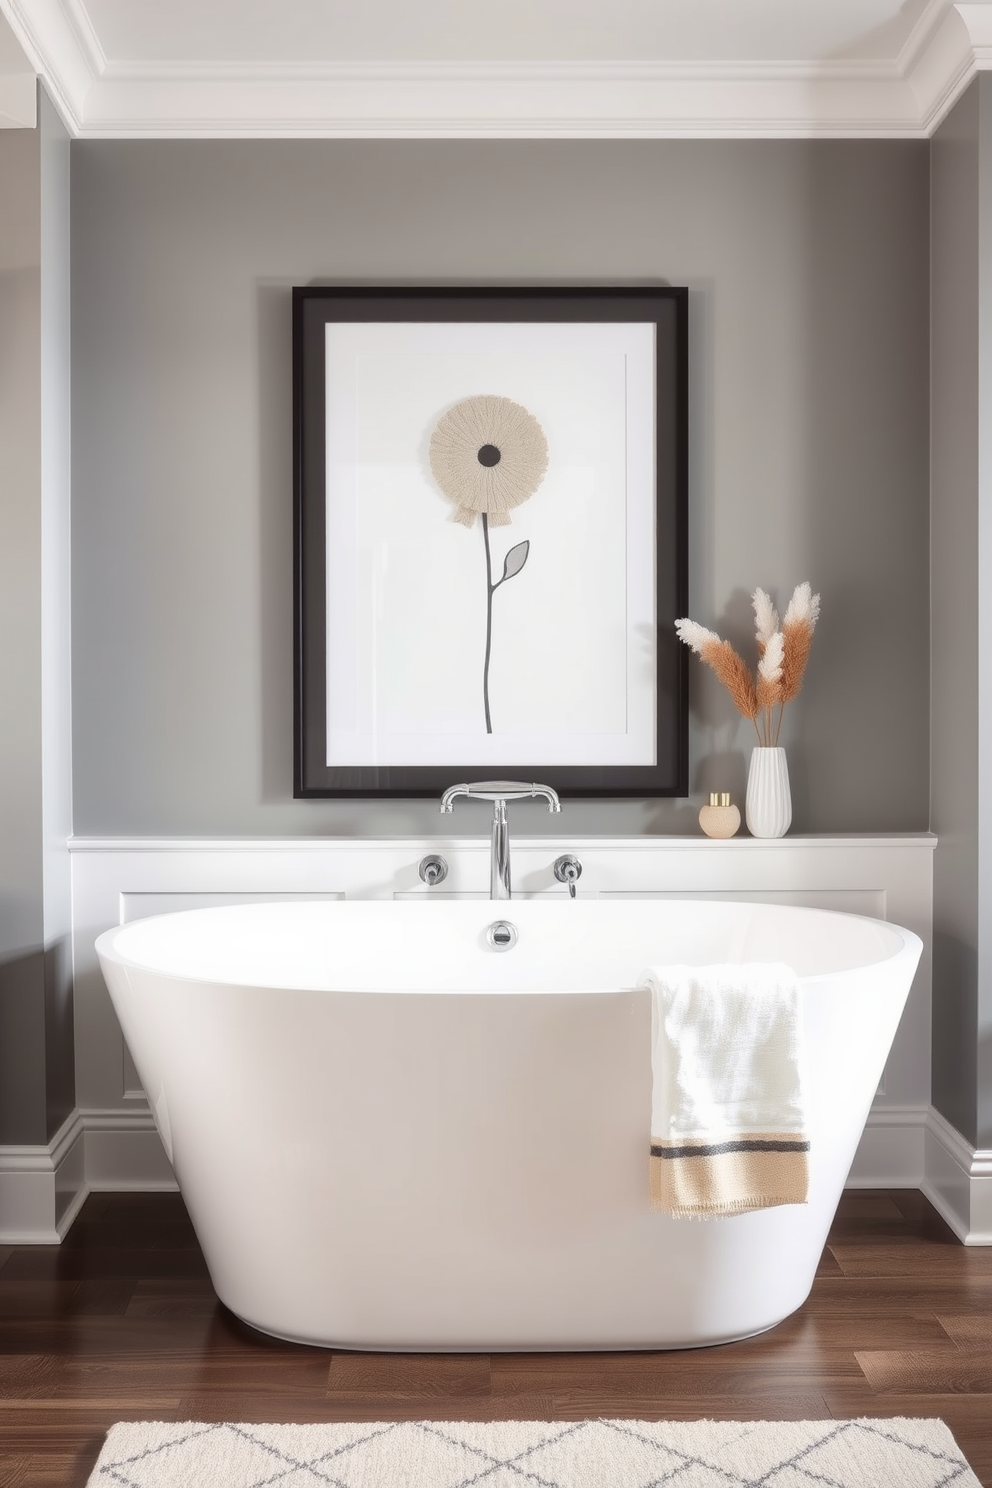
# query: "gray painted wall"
(20, 538)
(56, 613)
(955, 608)
(961, 598)
(36, 1052)
(807, 265)
(22, 981)
(983, 1030)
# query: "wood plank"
(842, 1330)
(25, 1375)
(60, 1470)
(871, 1204)
(117, 1333)
(113, 1209)
(890, 1295)
(235, 1406)
(49, 1295)
(664, 1376)
(84, 1379)
(876, 1216)
(921, 1214)
(59, 1425)
(771, 1406)
(969, 1330)
(62, 1298)
(918, 1372)
(172, 1297)
(922, 1258)
(35, 1263)
(409, 1375)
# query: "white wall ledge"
(366, 844)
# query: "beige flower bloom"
(488, 454)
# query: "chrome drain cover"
(501, 935)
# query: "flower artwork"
(488, 455)
(783, 651)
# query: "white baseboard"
(43, 1188)
(958, 1181)
(891, 1151)
(124, 1151)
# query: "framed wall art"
(490, 539)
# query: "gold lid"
(719, 798)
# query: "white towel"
(728, 1111)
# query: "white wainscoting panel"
(888, 877)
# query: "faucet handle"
(433, 869)
(568, 870)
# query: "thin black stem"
(489, 620)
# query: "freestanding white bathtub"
(390, 1135)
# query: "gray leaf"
(515, 560)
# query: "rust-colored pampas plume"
(729, 667)
(797, 634)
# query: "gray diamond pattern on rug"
(868, 1453)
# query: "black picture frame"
(326, 315)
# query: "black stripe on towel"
(745, 1144)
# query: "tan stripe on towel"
(705, 1182)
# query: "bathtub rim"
(910, 945)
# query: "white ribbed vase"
(768, 804)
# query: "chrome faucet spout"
(499, 792)
(499, 860)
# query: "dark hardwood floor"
(121, 1323)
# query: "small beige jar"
(718, 818)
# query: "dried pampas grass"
(734, 675)
(770, 671)
(730, 668)
(797, 632)
(783, 651)
(765, 619)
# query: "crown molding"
(59, 43)
(940, 69)
(616, 100)
(103, 98)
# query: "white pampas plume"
(769, 688)
(803, 606)
(696, 636)
(797, 628)
(765, 617)
(770, 665)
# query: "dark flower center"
(489, 455)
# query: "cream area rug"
(899, 1453)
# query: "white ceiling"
(498, 68)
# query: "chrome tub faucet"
(499, 792)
